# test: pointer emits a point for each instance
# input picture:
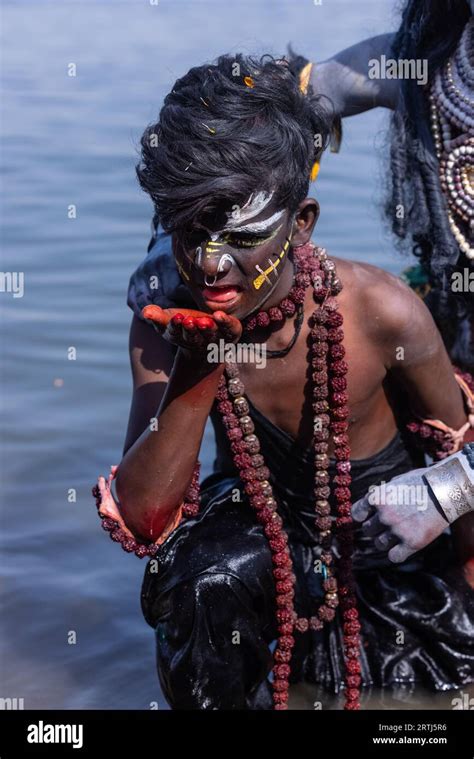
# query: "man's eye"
(246, 240)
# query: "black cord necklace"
(298, 325)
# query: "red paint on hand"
(155, 314)
(205, 322)
(188, 323)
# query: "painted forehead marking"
(255, 204)
(260, 226)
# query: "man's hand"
(108, 507)
(193, 330)
(400, 515)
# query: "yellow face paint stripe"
(213, 247)
(258, 281)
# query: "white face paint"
(223, 259)
(256, 203)
(260, 226)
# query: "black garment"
(212, 602)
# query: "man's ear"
(305, 219)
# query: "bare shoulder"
(374, 288)
(391, 313)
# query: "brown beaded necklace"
(330, 419)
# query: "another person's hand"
(193, 330)
(400, 515)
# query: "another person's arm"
(407, 513)
(346, 78)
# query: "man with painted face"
(228, 169)
(430, 152)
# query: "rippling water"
(73, 141)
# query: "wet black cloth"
(212, 601)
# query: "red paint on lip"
(220, 294)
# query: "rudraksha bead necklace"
(330, 416)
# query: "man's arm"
(158, 465)
(413, 351)
(404, 515)
(151, 361)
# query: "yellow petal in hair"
(248, 81)
(304, 77)
(314, 171)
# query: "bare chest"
(281, 388)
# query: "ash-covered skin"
(403, 527)
(235, 257)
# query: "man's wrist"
(451, 484)
(196, 361)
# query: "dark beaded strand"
(452, 122)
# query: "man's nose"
(213, 259)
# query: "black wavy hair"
(227, 129)
(429, 29)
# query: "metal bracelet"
(452, 488)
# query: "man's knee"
(212, 651)
(224, 547)
(215, 549)
(223, 598)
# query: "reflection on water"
(306, 696)
(72, 632)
